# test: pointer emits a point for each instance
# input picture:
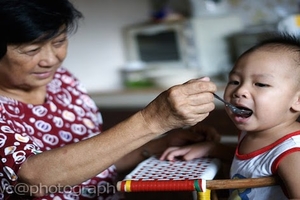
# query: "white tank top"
(263, 162)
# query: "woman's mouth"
(43, 75)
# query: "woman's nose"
(48, 56)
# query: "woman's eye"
(59, 43)
(32, 51)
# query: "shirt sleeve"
(15, 147)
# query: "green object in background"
(139, 84)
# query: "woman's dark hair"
(23, 21)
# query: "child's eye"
(233, 82)
(262, 85)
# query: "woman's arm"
(72, 164)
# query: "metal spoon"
(234, 109)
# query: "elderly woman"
(51, 146)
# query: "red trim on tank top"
(281, 156)
(264, 149)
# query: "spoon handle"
(220, 98)
(233, 108)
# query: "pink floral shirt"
(68, 115)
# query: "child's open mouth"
(244, 112)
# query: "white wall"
(96, 51)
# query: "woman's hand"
(180, 105)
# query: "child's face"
(265, 81)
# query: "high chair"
(195, 176)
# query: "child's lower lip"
(241, 119)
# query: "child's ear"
(296, 103)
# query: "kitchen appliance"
(196, 43)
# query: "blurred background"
(106, 59)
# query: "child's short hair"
(277, 39)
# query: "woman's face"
(30, 66)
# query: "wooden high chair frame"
(203, 187)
